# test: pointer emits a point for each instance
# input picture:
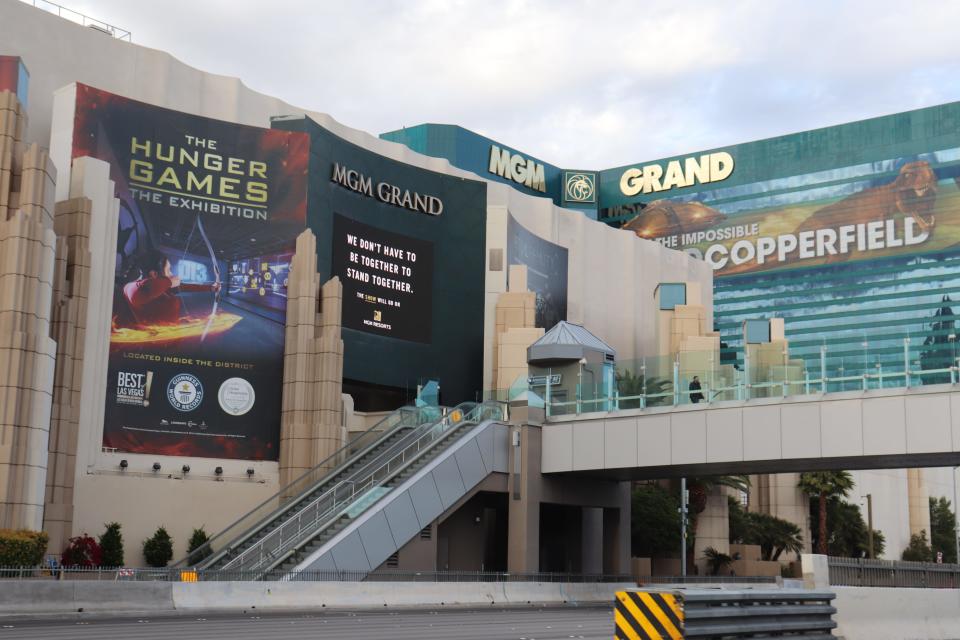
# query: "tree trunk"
(822, 543)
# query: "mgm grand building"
(215, 302)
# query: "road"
(586, 623)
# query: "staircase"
(248, 529)
(360, 477)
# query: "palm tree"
(716, 560)
(700, 487)
(631, 384)
(824, 485)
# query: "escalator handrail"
(322, 521)
(285, 505)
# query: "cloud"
(583, 84)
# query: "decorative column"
(312, 411)
(918, 497)
(28, 247)
(71, 289)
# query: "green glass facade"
(850, 233)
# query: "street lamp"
(956, 524)
(869, 498)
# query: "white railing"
(81, 19)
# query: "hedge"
(22, 548)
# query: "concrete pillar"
(593, 539)
(28, 247)
(777, 495)
(918, 498)
(71, 295)
(514, 330)
(524, 493)
(713, 528)
(312, 408)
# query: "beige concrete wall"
(142, 501)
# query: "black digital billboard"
(387, 280)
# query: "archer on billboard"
(209, 213)
(898, 206)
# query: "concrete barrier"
(308, 595)
(26, 597)
(30, 597)
(880, 613)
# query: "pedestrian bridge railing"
(707, 377)
(861, 572)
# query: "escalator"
(364, 478)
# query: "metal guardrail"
(329, 506)
(81, 19)
(707, 580)
(716, 613)
(860, 572)
(172, 574)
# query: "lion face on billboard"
(666, 218)
(915, 192)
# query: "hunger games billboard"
(387, 280)
(209, 212)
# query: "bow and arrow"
(198, 226)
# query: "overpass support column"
(918, 498)
(605, 506)
(524, 486)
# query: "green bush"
(111, 546)
(158, 550)
(198, 539)
(919, 549)
(22, 548)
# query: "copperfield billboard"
(794, 202)
(209, 213)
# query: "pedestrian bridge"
(866, 429)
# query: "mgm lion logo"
(580, 187)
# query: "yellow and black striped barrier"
(647, 615)
(701, 614)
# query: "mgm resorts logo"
(580, 186)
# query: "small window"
(496, 259)
(756, 331)
(672, 294)
(393, 561)
(426, 532)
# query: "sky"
(588, 85)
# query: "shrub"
(717, 561)
(198, 539)
(111, 544)
(158, 550)
(22, 548)
(82, 551)
(919, 549)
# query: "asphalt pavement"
(548, 623)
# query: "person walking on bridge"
(695, 395)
